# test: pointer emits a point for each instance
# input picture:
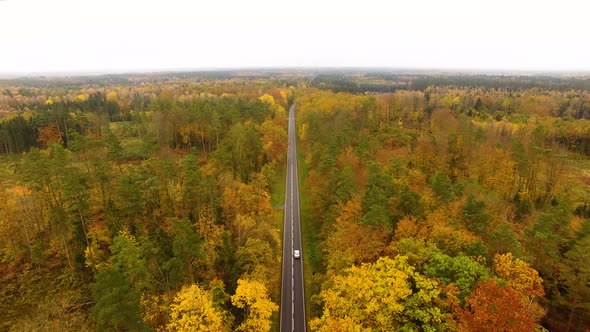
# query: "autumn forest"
(428, 202)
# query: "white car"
(296, 253)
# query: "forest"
(429, 203)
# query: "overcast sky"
(120, 35)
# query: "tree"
(256, 256)
(442, 186)
(76, 198)
(388, 295)
(193, 310)
(49, 135)
(418, 251)
(117, 290)
(242, 151)
(441, 229)
(351, 241)
(274, 141)
(376, 202)
(409, 203)
(252, 297)
(577, 281)
(519, 275)
(502, 240)
(462, 271)
(116, 302)
(186, 247)
(495, 308)
(475, 216)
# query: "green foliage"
(186, 247)
(376, 201)
(502, 240)
(242, 151)
(118, 287)
(577, 297)
(177, 167)
(475, 216)
(442, 186)
(417, 251)
(409, 203)
(462, 271)
(116, 302)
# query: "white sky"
(119, 35)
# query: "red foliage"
(494, 308)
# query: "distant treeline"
(383, 82)
(78, 81)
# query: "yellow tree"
(352, 242)
(523, 279)
(248, 211)
(274, 141)
(519, 275)
(252, 297)
(385, 296)
(192, 310)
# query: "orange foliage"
(406, 228)
(493, 308)
(353, 242)
(20, 190)
(49, 135)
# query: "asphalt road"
(292, 292)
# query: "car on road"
(296, 253)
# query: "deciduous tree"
(252, 297)
(193, 310)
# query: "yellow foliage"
(81, 97)
(252, 296)
(519, 275)
(274, 141)
(337, 324)
(96, 257)
(284, 96)
(192, 310)
(303, 132)
(366, 297)
(49, 102)
(154, 309)
(130, 237)
(20, 190)
(211, 233)
(280, 115)
(112, 96)
(437, 228)
(268, 99)
(246, 199)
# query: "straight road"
(292, 293)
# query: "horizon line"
(148, 71)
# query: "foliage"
(193, 310)
(252, 297)
(121, 191)
(387, 295)
(493, 308)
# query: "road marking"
(291, 173)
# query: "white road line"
(291, 173)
